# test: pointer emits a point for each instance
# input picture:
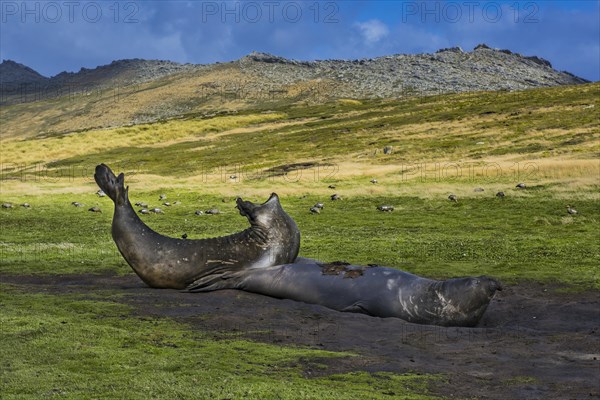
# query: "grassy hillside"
(555, 128)
(219, 89)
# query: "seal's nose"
(239, 204)
(495, 285)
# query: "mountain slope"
(138, 91)
(14, 75)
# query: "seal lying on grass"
(373, 290)
(163, 262)
(259, 260)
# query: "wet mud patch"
(533, 342)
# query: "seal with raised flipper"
(164, 262)
(373, 290)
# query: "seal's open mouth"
(245, 207)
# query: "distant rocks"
(452, 49)
(265, 58)
(482, 46)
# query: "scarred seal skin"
(374, 290)
(164, 262)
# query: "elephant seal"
(163, 262)
(373, 290)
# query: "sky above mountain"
(56, 36)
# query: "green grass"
(79, 348)
(529, 237)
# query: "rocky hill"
(447, 70)
(135, 91)
(13, 74)
(19, 79)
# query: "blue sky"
(55, 36)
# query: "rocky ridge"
(445, 71)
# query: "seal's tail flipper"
(110, 184)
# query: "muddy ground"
(534, 342)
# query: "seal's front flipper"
(113, 186)
(214, 281)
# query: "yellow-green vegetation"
(79, 348)
(553, 132)
(61, 146)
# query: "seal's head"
(271, 223)
(466, 299)
(262, 214)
